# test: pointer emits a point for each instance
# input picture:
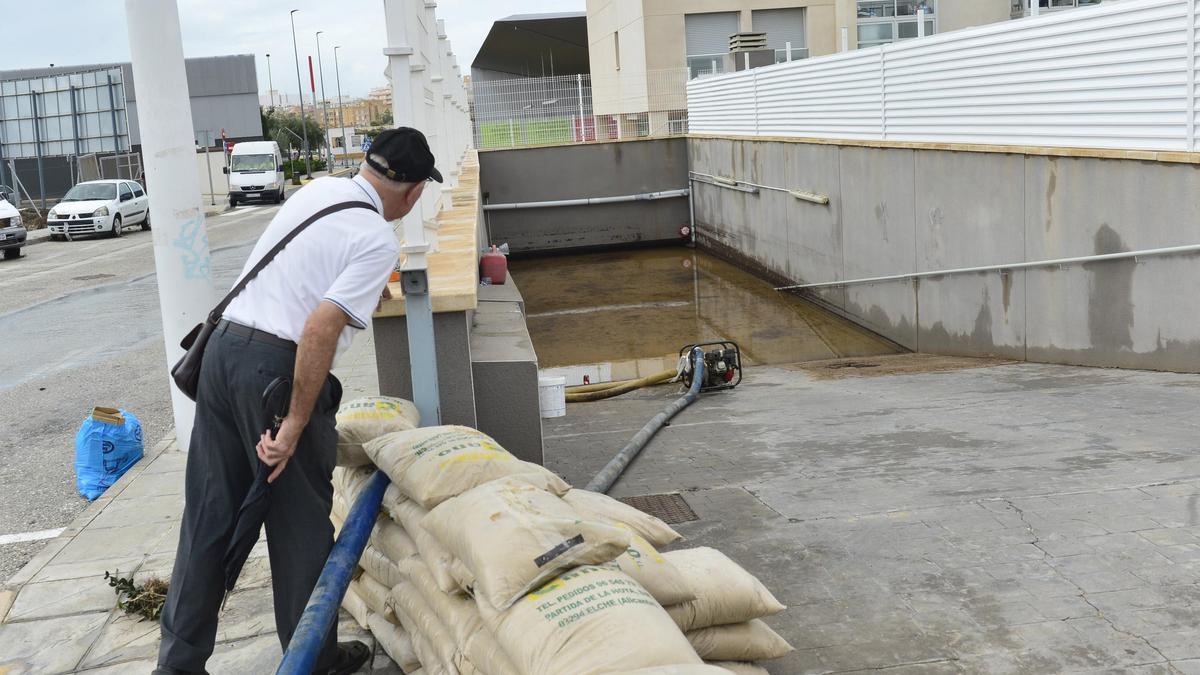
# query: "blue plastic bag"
(104, 451)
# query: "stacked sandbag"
(365, 419)
(482, 563)
(723, 622)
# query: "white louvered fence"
(1117, 75)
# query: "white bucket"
(552, 396)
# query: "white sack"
(395, 642)
(376, 595)
(461, 617)
(725, 592)
(596, 506)
(379, 566)
(749, 641)
(653, 572)
(353, 603)
(433, 464)
(451, 575)
(365, 419)
(514, 537)
(740, 668)
(592, 619)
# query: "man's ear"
(414, 194)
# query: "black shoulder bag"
(186, 372)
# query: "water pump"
(722, 365)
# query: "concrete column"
(181, 255)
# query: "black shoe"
(350, 657)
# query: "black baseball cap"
(409, 159)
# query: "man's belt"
(255, 335)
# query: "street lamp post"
(341, 116)
(270, 86)
(300, 84)
(324, 104)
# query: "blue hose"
(604, 480)
(321, 612)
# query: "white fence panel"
(835, 97)
(1111, 77)
(723, 104)
(1117, 75)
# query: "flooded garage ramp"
(626, 314)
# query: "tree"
(285, 128)
(383, 119)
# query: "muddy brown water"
(628, 313)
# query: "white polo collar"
(372, 194)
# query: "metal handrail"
(1144, 253)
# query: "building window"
(783, 27)
(707, 41)
(1020, 8)
(884, 21)
(617, 48)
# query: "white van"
(256, 172)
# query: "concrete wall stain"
(1006, 281)
(1110, 294)
(1051, 189)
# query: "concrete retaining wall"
(902, 210)
(581, 171)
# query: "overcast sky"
(75, 32)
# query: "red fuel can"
(494, 265)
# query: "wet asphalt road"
(80, 327)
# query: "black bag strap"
(215, 315)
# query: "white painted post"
(582, 122)
(920, 22)
(788, 47)
(1034, 8)
(182, 263)
(512, 134)
(399, 16)
(845, 39)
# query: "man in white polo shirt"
(290, 321)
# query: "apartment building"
(641, 51)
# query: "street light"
(300, 84)
(341, 116)
(324, 104)
(270, 86)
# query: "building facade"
(641, 51)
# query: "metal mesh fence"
(562, 109)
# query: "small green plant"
(145, 600)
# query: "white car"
(99, 207)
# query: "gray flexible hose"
(604, 480)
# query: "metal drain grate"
(669, 508)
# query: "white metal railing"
(531, 111)
(1117, 75)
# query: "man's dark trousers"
(220, 470)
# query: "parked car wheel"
(12, 253)
(146, 221)
(232, 202)
(118, 228)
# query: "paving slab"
(48, 646)
(60, 598)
